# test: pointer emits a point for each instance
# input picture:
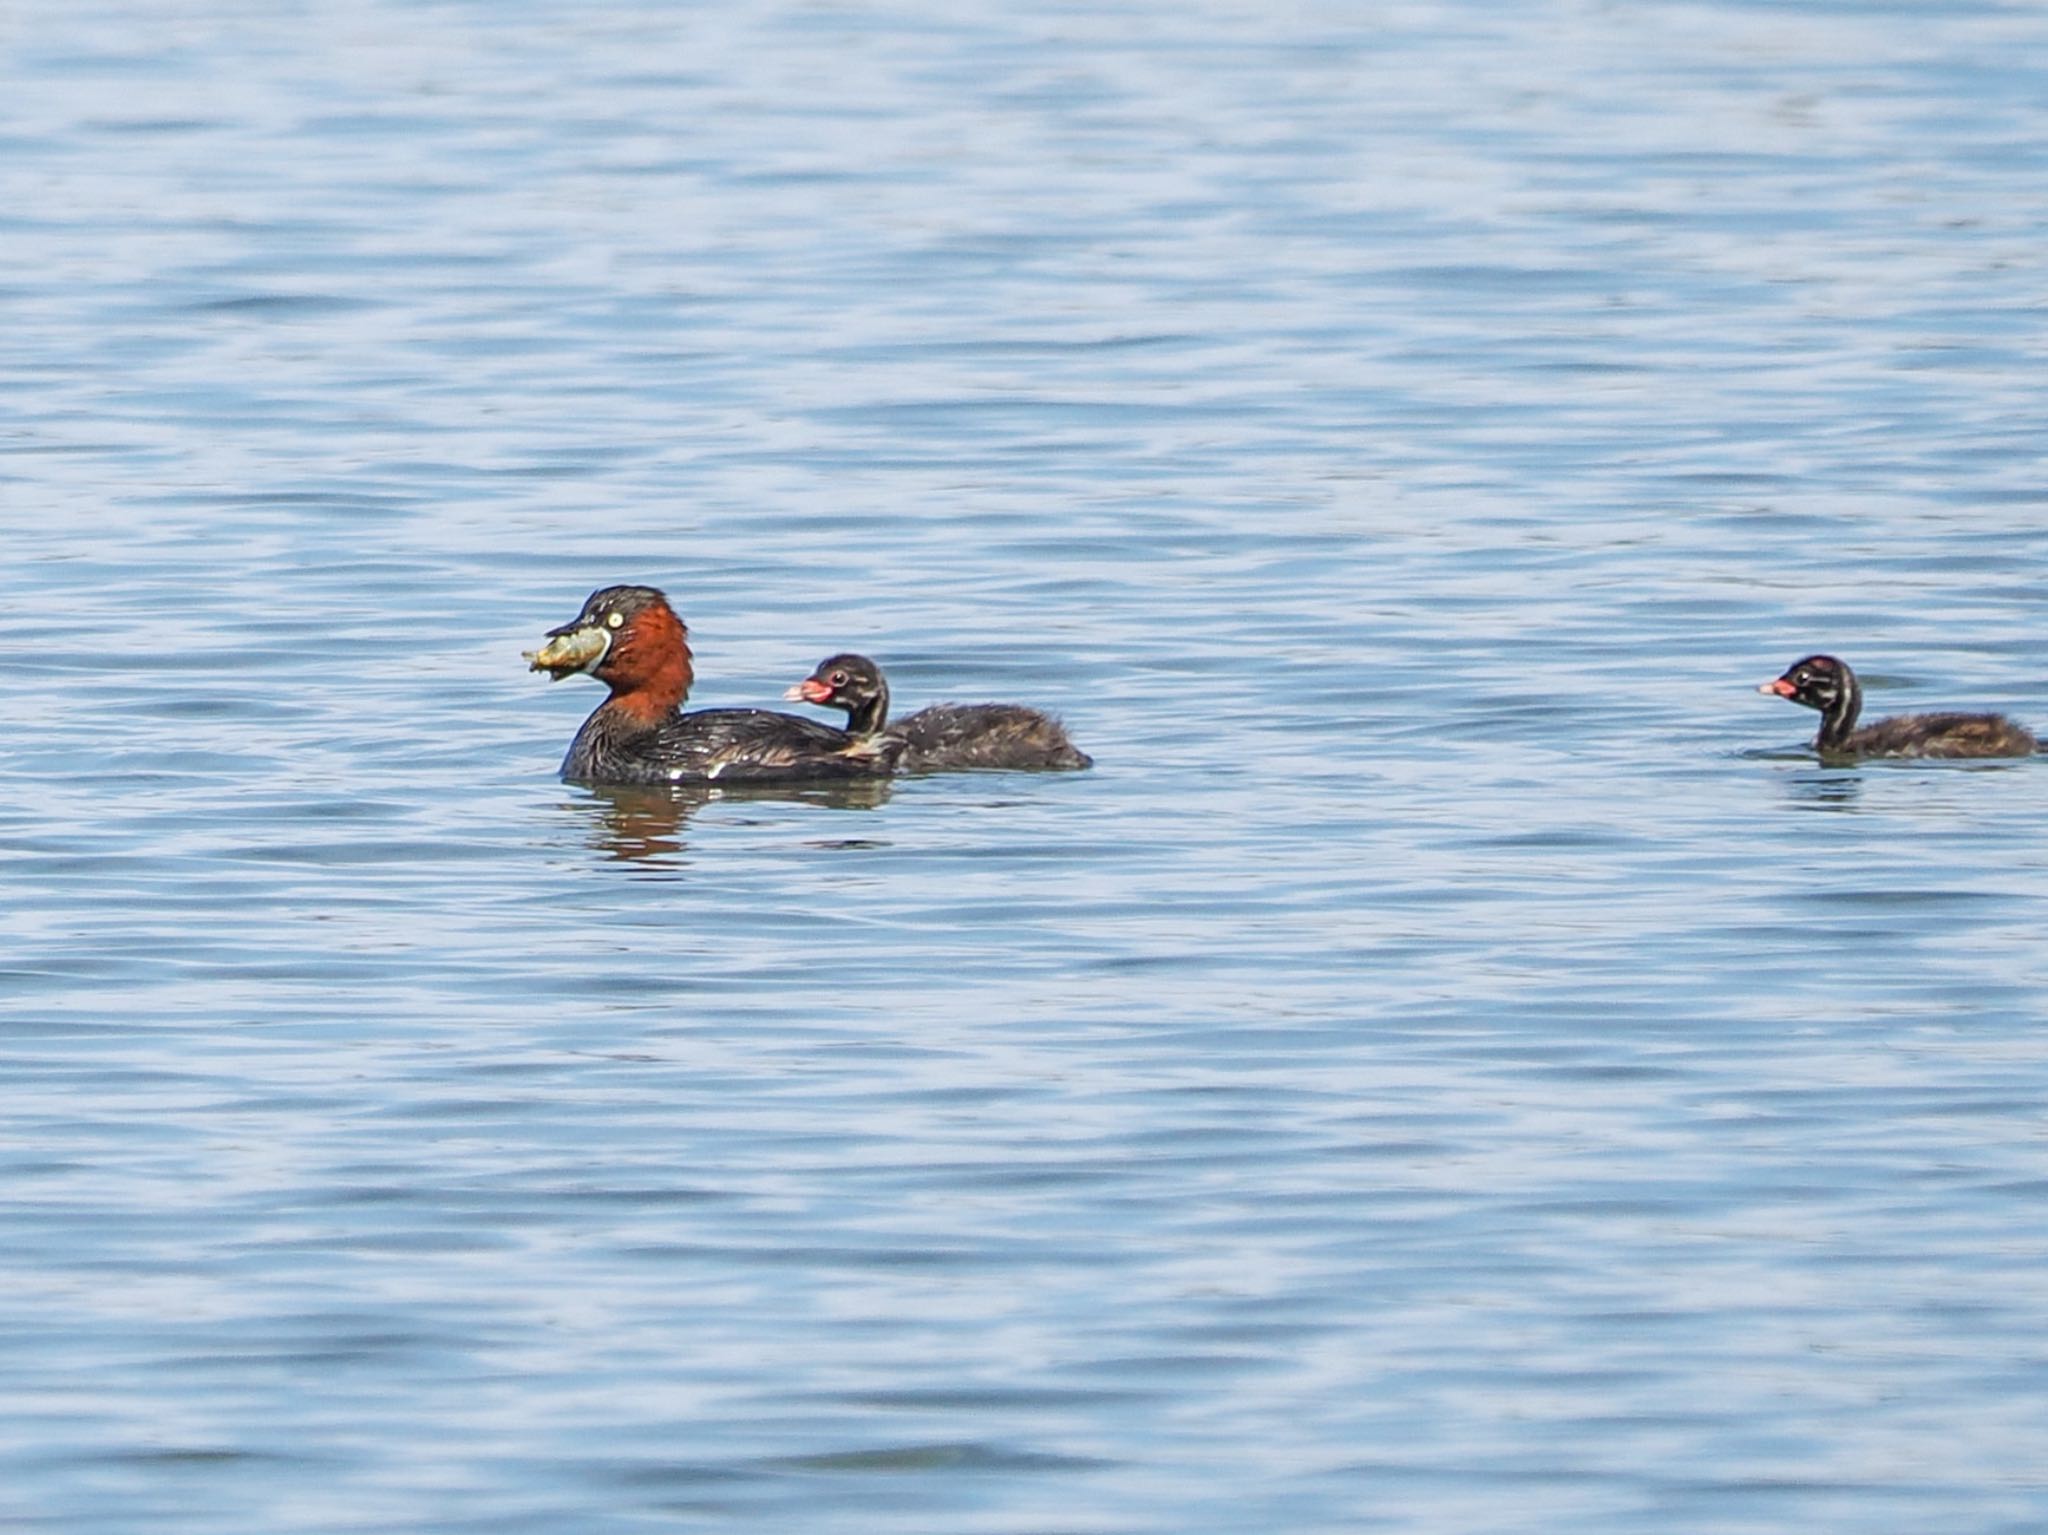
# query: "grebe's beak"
(570, 649)
(1780, 686)
(809, 691)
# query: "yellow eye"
(614, 619)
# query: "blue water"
(1456, 1064)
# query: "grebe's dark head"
(629, 638)
(840, 682)
(1818, 682)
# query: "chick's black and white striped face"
(1817, 682)
(842, 682)
(850, 675)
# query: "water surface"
(1456, 1063)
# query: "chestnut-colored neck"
(648, 667)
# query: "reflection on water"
(1824, 789)
(645, 825)
(1840, 786)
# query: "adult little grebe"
(943, 736)
(1827, 684)
(630, 639)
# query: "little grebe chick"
(943, 737)
(630, 639)
(1827, 684)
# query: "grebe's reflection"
(1831, 787)
(635, 824)
(1824, 789)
